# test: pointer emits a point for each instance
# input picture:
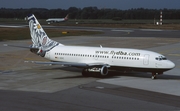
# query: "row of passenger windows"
(82, 55)
(98, 56)
(129, 58)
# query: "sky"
(65, 4)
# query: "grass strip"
(24, 33)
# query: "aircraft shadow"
(112, 74)
(147, 75)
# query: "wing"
(72, 64)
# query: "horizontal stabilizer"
(7, 45)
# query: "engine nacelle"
(101, 70)
(104, 70)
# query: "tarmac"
(26, 86)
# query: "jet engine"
(104, 70)
(101, 70)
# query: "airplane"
(95, 60)
(52, 20)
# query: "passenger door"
(146, 59)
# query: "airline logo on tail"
(66, 18)
(39, 37)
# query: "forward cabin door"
(146, 59)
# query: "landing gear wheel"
(153, 76)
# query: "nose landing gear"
(154, 74)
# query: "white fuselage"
(55, 20)
(114, 57)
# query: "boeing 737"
(96, 60)
(52, 20)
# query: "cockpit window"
(161, 58)
(164, 58)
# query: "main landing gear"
(85, 73)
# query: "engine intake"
(104, 70)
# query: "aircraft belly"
(140, 69)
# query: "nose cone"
(170, 65)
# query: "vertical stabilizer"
(66, 18)
(39, 38)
